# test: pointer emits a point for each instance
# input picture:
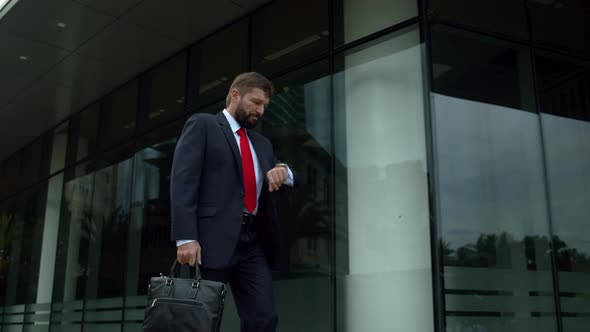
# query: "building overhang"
(59, 56)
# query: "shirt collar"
(235, 126)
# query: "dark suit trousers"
(250, 280)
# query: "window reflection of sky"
(490, 173)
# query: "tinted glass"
(12, 173)
(107, 234)
(119, 112)
(215, 62)
(507, 17)
(165, 90)
(383, 265)
(354, 19)
(72, 249)
(289, 32)
(564, 95)
(32, 156)
(490, 188)
(59, 145)
(562, 24)
(150, 251)
(3, 179)
(5, 228)
(88, 132)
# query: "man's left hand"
(276, 177)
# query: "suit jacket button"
(242, 194)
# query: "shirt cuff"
(289, 180)
(181, 242)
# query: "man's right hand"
(189, 253)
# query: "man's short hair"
(246, 81)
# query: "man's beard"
(243, 119)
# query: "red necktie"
(248, 171)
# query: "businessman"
(223, 185)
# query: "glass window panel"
(381, 191)
(354, 19)
(562, 24)
(74, 233)
(49, 239)
(12, 173)
(17, 254)
(31, 163)
(490, 188)
(5, 225)
(150, 251)
(33, 215)
(107, 235)
(212, 67)
(88, 133)
(288, 32)
(458, 70)
(59, 144)
(8, 243)
(3, 180)
(564, 95)
(120, 114)
(298, 123)
(165, 87)
(506, 17)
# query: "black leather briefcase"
(184, 304)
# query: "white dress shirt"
(235, 126)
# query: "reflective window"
(561, 23)
(119, 112)
(506, 17)
(490, 188)
(33, 215)
(25, 225)
(106, 238)
(164, 88)
(7, 234)
(12, 220)
(59, 145)
(215, 62)
(383, 264)
(87, 140)
(12, 174)
(74, 233)
(4, 180)
(458, 70)
(49, 240)
(150, 251)
(354, 19)
(289, 32)
(32, 156)
(297, 122)
(564, 96)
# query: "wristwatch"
(282, 165)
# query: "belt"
(248, 219)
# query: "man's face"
(251, 107)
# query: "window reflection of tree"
(485, 251)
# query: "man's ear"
(235, 96)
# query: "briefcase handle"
(194, 272)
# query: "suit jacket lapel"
(231, 140)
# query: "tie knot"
(241, 132)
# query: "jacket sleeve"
(185, 177)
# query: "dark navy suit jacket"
(207, 191)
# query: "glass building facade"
(444, 155)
